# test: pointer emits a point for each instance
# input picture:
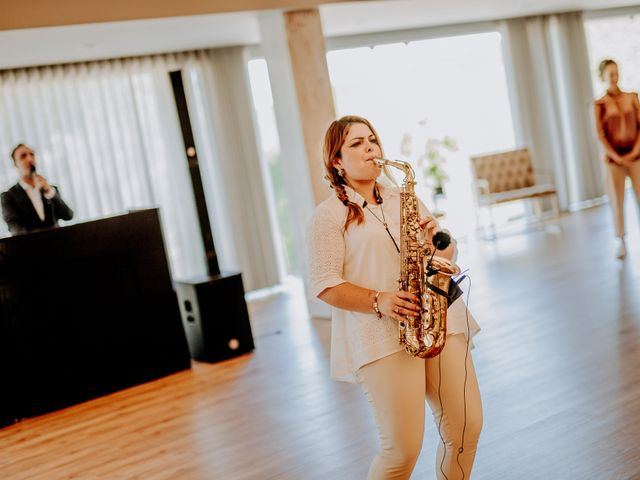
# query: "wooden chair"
(507, 177)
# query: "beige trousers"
(616, 176)
(396, 387)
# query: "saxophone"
(422, 336)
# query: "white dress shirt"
(365, 256)
(36, 199)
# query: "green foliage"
(431, 159)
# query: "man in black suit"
(31, 203)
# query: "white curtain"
(550, 87)
(233, 171)
(107, 133)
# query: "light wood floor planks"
(558, 360)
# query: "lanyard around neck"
(383, 221)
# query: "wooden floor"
(558, 361)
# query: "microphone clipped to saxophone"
(422, 273)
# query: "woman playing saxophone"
(354, 263)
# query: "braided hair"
(333, 140)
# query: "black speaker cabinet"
(215, 317)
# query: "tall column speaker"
(213, 309)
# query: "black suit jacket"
(21, 216)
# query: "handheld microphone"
(32, 167)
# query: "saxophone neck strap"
(383, 221)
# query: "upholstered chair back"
(504, 171)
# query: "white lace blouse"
(364, 255)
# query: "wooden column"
(313, 88)
(294, 48)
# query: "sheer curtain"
(550, 84)
(108, 135)
(234, 173)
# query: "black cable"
(464, 393)
(464, 385)
(444, 445)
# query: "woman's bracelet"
(375, 305)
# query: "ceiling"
(53, 45)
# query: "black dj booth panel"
(85, 310)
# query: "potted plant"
(433, 160)
(430, 161)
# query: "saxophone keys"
(429, 340)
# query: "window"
(421, 93)
(270, 145)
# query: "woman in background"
(617, 116)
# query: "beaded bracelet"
(375, 305)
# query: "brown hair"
(603, 65)
(334, 138)
(13, 152)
